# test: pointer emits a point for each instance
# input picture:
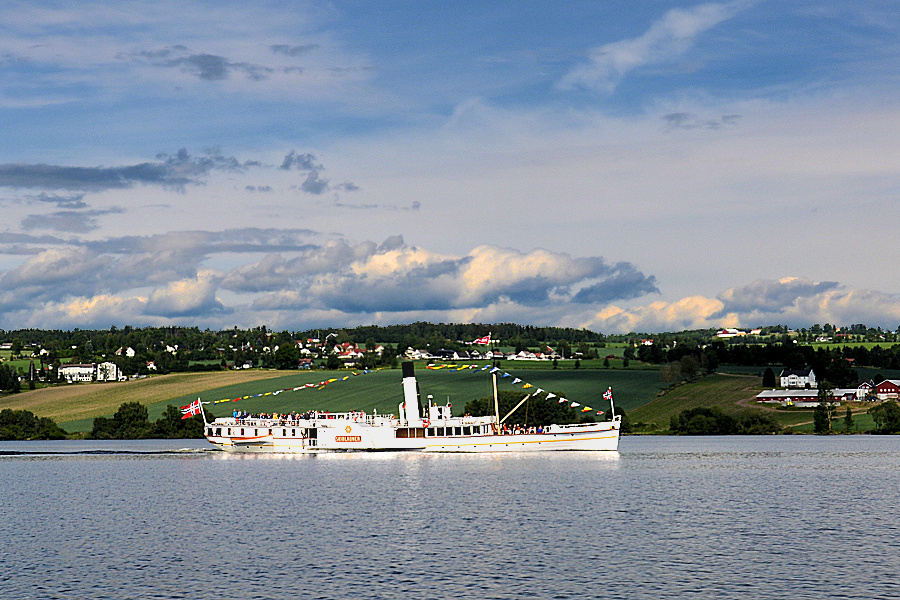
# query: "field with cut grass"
(81, 400)
(724, 391)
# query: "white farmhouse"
(798, 378)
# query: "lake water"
(729, 517)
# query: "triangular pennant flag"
(526, 386)
(505, 375)
(516, 380)
(574, 404)
(539, 390)
(561, 400)
(494, 370)
(587, 409)
(550, 395)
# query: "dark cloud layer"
(772, 296)
(171, 170)
(293, 51)
(204, 66)
(67, 221)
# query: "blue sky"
(589, 164)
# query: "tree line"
(131, 422)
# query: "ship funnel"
(411, 393)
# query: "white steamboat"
(417, 428)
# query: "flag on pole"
(483, 340)
(607, 395)
(191, 409)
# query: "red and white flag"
(483, 340)
(191, 409)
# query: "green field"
(382, 391)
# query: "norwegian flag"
(191, 409)
(607, 395)
(483, 340)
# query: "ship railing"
(305, 420)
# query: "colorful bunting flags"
(515, 380)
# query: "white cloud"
(665, 40)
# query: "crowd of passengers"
(281, 419)
(519, 429)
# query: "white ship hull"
(458, 434)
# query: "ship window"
(218, 431)
(284, 432)
(294, 432)
(229, 431)
(459, 431)
(242, 431)
(432, 431)
(209, 431)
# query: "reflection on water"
(758, 517)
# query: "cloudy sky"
(613, 165)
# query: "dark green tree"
(689, 367)
(24, 425)
(887, 417)
(130, 422)
(703, 421)
(768, 380)
(287, 356)
(848, 420)
(172, 425)
(824, 411)
(333, 362)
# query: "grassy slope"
(76, 401)
(724, 391)
(734, 394)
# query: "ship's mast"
(496, 406)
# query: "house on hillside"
(798, 378)
(73, 373)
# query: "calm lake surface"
(728, 517)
